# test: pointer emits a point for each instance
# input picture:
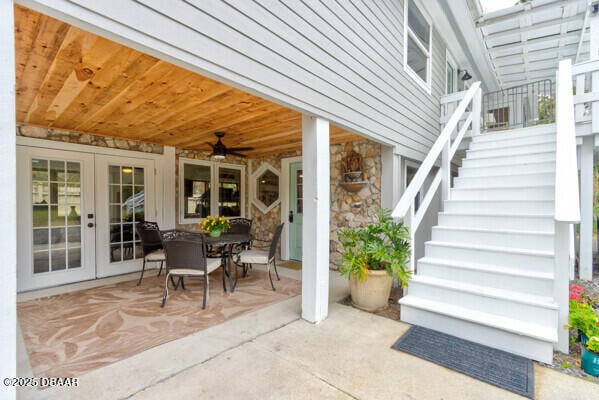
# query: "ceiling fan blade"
(234, 153)
(230, 149)
(210, 144)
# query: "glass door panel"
(296, 206)
(124, 185)
(126, 207)
(52, 197)
(56, 210)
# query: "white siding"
(339, 60)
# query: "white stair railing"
(567, 206)
(444, 146)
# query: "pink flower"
(574, 296)
(577, 289)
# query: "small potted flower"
(214, 225)
(589, 357)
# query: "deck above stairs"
(487, 273)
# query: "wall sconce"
(466, 75)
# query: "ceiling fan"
(219, 150)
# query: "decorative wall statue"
(352, 170)
(352, 167)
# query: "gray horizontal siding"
(341, 60)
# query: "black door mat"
(497, 367)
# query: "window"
(451, 74)
(417, 45)
(209, 188)
(265, 193)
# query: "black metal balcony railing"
(519, 106)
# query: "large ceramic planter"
(589, 361)
(373, 293)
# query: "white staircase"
(487, 273)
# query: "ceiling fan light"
(218, 156)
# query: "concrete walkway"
(272, 354)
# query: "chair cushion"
(212, 264)
(253, 256)
(186, 271)
(156, 255)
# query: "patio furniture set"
(195, 254)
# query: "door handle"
(290, 216)
(90, 225)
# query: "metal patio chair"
(151, 245)
(186, 257)
(255, 255)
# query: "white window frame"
(214, 183)
(426, 85)
(449, 59)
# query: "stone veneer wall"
(347, 209)
(353, 209)
(83, 138)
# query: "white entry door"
(55, 205)
(124, 196)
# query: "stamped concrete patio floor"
(273, 354)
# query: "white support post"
(562, 260)
(594, 37)
(8, 199)
(476, 110)
(586, 208)
(445, 171)
(315, 230)
(169, 189)
(390, 177)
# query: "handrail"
(521, 105)
(567, 205)
(415, 185)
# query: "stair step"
(530, 192)
(505, 149)
(541, 261)
(478, 144)
(516, 133)
(512, 335)
(504, 303)
(516, 222)
(525, 240)
(535, 167)
(500, 206)
(498, 277)
(545, 156)
(522, 179)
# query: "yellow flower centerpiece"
(214, 225)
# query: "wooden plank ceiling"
(73, 80)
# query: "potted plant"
(214, 226)
(589, 357)
(582, 316)
(373, 255)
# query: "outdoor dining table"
(227, 241)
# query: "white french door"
(55, 204)
(124, 196)
(77, 213)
